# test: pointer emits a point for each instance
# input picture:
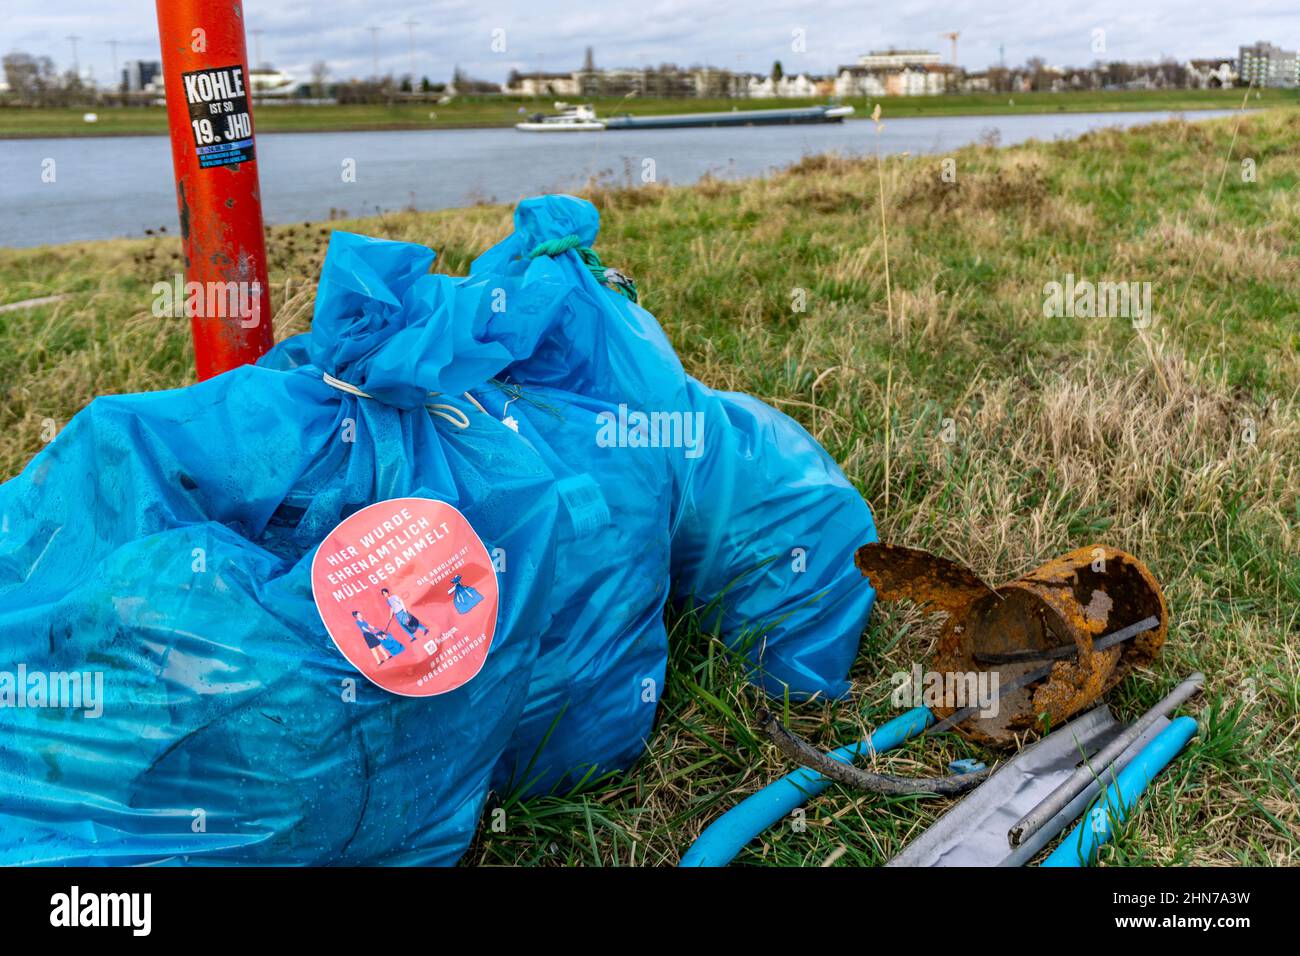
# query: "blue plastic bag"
(249, 471)
(602, 666)
(764, 523)
(602, 660)
(766, 537)
(161, 548)
(603, 656)
(464, 597)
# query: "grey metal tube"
(1033, 842)
(1089, 770)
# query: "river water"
(103, 187)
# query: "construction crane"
(953, 37)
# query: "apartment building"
(1263, 64)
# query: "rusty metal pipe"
(1074, 600)
(1110, 640)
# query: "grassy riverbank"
(974, 424)
(497, 111)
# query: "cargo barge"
(582, 119)
(735, 117)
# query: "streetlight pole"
(116, 77)
(209, 112)
(410, 26)
(374, 49)
(76, 62)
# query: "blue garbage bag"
(174, 693)
(766, 537)
(391, 644)
(763, 522)
(602, 660)
(603, 656)
(602, 665)
(464, 597)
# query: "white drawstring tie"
(448, 413)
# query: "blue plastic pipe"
(1080, 847)
(727, 836)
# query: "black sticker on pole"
(219, 118)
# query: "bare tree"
(32, 80)
(320, 71)
(1040, 78)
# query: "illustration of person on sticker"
(404, 618)
(464, 597)
(382, 644)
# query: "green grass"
(504, 111)
(1179, 442)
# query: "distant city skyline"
(293, 35)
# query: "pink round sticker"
(408, 593)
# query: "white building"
(858, 81)
(793, 87)
(546, 84)
(909, 81)
(269, 83)
(1211, 73)
(894, 73)
(892, 59)
(1266, 65)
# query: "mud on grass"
(1012, 437)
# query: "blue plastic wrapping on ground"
(163, 542)
(764, 523)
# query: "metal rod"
(1038, 673)
(800, 751)
(1088, 772)
(1067, 650)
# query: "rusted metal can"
(1072, 600)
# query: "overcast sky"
(748, 34)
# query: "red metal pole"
(209, 110)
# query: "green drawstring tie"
(600, 272)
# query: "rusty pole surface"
(209, 112)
